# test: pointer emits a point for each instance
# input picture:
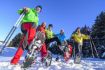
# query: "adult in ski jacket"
(31, 15)
(50, 37)
(49, 32)
(78, 38)
(42, 28)
(28, 28)
(65, 48)
(61, 36)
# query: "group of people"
(29, 27)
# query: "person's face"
(79, 30)
(44, 24)
(61, 32)
(50, 28)
(38, 9)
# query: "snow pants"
(78, 48)
(29, 30)
(48, 41)
(43, 51)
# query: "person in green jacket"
(28, 28)
(78, 38)
(50, 37)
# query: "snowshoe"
(28, 62)
(67, 52)
(30, 57)
(34, 48)
(77, 59)
(48, 59)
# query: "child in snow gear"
(78, 38)
(28, 28)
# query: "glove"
(25, 9)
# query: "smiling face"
(44, 24)
(38, 9)
(50, 28)
(78, 30)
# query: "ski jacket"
(49, 34)
(41, 28)
(61, 37)
(79, 39)
(30, 16)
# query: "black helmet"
(50, 25)
(39, 6)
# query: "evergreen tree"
(98, 32)
(98, 29)
(86, 49)
(16, 40)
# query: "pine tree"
(98, 32)
(98, 29)
(16, 40)
(86, 30)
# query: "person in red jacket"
(42, 27)
(28, 28)
(43, 50)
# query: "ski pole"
(11, 32)
(12, 29)
(91, 48)
(94, 48)
(73, 49)
(5, 44)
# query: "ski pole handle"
(19, 20)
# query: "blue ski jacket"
(61, 37)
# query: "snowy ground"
(86, 64)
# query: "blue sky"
(63, 14)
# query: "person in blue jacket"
(61, 36)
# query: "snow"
(1, 43)
(103, 55)
(86, 63)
